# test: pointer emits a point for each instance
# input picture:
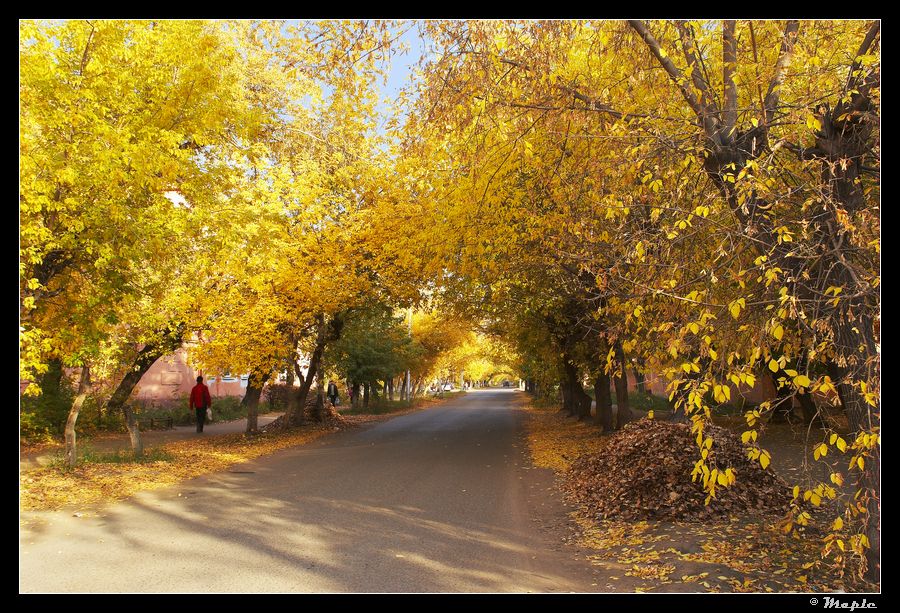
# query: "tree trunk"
(623, 413)
(366, 395)
(170, 341)
(354, 395)
(810, 411)
(565, 388)
(255, 383)
(852, 333)
(582, 401)
(390, 391)
(319, 410)
(84, 385)
(783, 407)
(296, 410)
(604, 414)
(639, 376)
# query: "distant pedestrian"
(333, 392)
(200, 401)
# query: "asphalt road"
(442, 500)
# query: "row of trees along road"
(700, 196)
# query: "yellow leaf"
(838, 524)
(861, 463)
(801, 381)
(764, 459)
(773, 366)
(842, 444)
(650, 414)
(778, 332)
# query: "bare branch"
(770, 104)
(729, 62)
(709, 123)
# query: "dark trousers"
(201, 418)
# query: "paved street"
(442, 500)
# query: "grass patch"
(648, 402)
(119, 456)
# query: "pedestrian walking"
(200, 402)
(332, 392)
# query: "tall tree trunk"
(851, 334)
(390, 392)
(582, 401)
(783, 407)
(604, 415)
(354, 395)
(84, 385)
(640, 378)
(296, 409)
(325, 332)
(319, 410)
(170, 340)
(623, 413)
(567, 386)
(255, 383)
(366, 395)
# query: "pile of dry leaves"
(644, 472)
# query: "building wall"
(172, 378)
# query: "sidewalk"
(119, 441)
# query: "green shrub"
(647, 401)
(89, 455)
(42, 417)
(277, 396)
(224, 409)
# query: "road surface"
(442, 500)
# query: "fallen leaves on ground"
(53, 487)
(644, 472)
(728, 552)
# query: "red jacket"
(200, 398)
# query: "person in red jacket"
(200, 401)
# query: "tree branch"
(709, 124)
(770, 104)
(729, 62)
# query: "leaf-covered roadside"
(53, 488)
(738, 553)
